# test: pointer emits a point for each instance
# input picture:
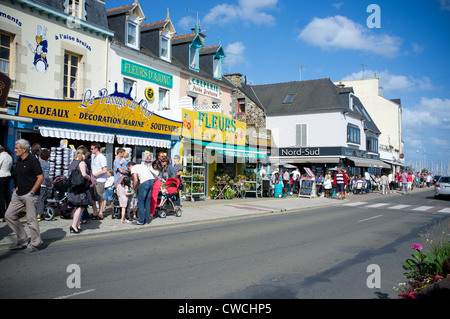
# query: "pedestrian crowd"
(90, 184)
(338, 182)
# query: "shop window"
(163, 100)
(75, 8)
(71, 66)
(241, 106)
(5, 53)
(353, 134)
(132, 34)
(165, 46)
(301, 133)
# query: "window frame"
(353, 134)
(68, 76)
(164, 38)
(302, 139)
(136, 34)
(164, 97)
(8, 61)
(239, 100)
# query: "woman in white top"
(6, 162)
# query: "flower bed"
(425, 266)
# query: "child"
(132, 203)
(122, 193)
(108, 193)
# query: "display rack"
(253, 179)
(194, 178)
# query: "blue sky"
(268, 40)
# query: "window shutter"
(301, 135)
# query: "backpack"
(76, 178)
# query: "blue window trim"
(196, 44)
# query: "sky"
(405, 43)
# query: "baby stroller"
(167, 198)
(57, 203)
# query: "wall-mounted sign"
(149, 93)
(211, 126)
(200, 86)
(147, 74)
(116, 110)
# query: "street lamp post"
(424, 155)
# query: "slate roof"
(95, 10)
(308, 96)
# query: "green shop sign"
(144, 73)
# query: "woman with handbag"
(78, 195)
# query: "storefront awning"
(365, 162)
(233, 150)
(393, 163)
(143, 141)
(76, 134)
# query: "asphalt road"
(319, 253)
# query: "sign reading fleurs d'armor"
(116, 110)
(211, 126)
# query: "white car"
(442, 187)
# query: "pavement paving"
(192, 212)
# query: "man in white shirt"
(143, 184)
(98, 172)
(391, 182)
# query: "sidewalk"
(192, 212)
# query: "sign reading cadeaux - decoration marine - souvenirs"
(215, 127)
(116, 110)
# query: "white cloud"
(339, 32)
(246, 11)
(392, 83)
(234, 54)
(186, 23)
(431, 113)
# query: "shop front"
(113, 120)
(214, 152)
(321, 159)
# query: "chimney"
(235, 78)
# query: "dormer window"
(132, 32)
(194, 53)
(165, 47)
(75, 8)
(217, 63)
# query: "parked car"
(442, 187)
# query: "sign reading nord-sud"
(115, 110)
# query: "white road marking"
(75, 294)
(423, 208)
(363, 220)
(355, 204)
(445, 210)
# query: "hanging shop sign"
(212, 126)
(147, 74)
(116, 110)
(203, 87)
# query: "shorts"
(340, 187)
(98, 190)
(108, 195)
(132, 204)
